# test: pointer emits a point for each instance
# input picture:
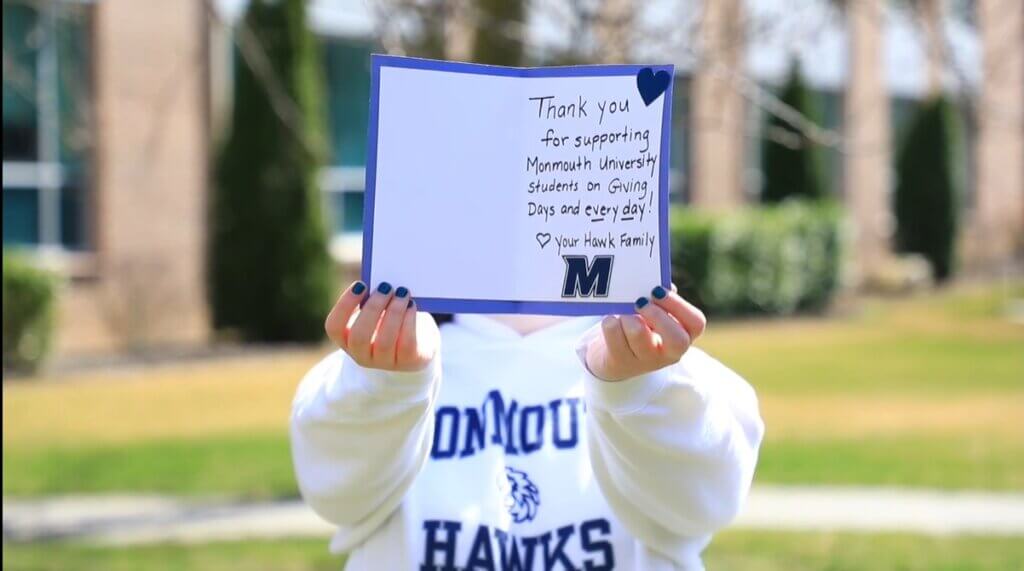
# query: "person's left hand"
(657, 336)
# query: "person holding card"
(522, 442)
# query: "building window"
(832, 110)
(679, 161)
(347, 71)
(46, 103)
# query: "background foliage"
(28, 299)
(927, 188)
(793, 163)
(269, 265)
(498, 41)
(778, 259)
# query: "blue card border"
(456, 305)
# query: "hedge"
(768, 260)
(28, 300)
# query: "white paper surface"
(482, 188)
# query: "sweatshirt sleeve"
(674, 451)
(359, 438)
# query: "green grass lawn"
(293, 555)
(252, 466)
(258, 466)
(954, 462)
(920, 392)
(748, 551)
(782, 551)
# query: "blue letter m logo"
(587, 280)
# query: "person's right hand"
(386, 332)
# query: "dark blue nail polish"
(659, 292)
(384, 287)
(641, 302)
(402, 291)
(358, 288)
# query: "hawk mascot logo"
(522, 498)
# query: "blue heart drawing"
(651, 85)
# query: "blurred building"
(113, 108)
(105, 159)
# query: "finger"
(340, 315)
(674, 338)
(406, 348)
(383, 348)
(639, 336)
(360, 335)
(687, 314)
(615, 338)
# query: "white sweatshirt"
(511, 455)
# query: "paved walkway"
(142, 519)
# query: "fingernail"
(358, 288)
(658, 292)
(402, 291)
(641, 302)
(384, 287)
